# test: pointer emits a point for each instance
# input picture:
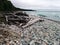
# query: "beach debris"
(34, 32)
(20, 13)
(31, 22)
(16, 18)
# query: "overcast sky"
(37, 4)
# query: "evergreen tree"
(6, 5)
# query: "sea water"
(54, 15)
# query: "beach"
(39, 31)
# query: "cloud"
(37, 4)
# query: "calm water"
(54, 15)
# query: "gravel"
(40, 33)
(43, 33)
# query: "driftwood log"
(13, 18)
(21, 19)
(31, 22)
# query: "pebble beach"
(45, 32)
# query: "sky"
(37, 4)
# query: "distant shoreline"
(52, 20)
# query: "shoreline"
(52, 20)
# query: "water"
(54, 15)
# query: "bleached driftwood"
(31, 22)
